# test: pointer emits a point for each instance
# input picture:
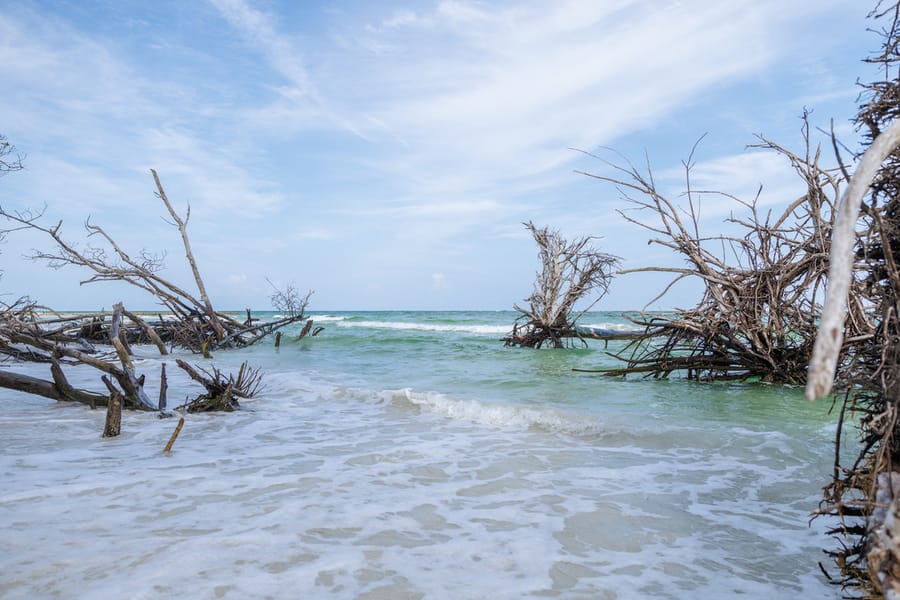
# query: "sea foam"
(437, 327)
(496, 414)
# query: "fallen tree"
(102, 341)
(762, 286)
(571, 271)
(192, 322)
(864, 493)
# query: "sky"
(386, 154)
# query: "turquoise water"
(411, 455)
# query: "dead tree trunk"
(182, 229)
(113, 426)
(30, 385)
(132, 385)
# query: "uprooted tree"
(762, 286)
(194, 323)
(571, 272)
(102, 341)
(864, 494)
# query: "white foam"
(502, 415)
(441, 327)
(629, 327)
(328, 318)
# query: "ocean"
(412, 455)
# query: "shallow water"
(410, 455)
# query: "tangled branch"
(571, 272)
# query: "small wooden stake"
(174, 435)
(277, 339)
(113, 425)
(163, 388)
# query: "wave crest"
(442, 327)
(501, 415)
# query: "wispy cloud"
(82, 110)
(465, 97)
(257, 27)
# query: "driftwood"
(182, 229)
(222, 392)
(48, 389)
(148, 330)
(863, 493)
(571, 272)
(762, 287)
(830, 335)
(174, 436)
(70, 393)
(194, 322)
(163, 388)
(103, 341)
(113, 426)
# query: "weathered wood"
(570, 272)
(762, 286)
(251, 335)
(182, 229)
(163, 387)
(29, 385)
(113, 426)
(151, 333)
(132, 386)
(602, 333)
(193, 373)
(831, 328)
(883, 554)
(67, 392)
(59, 389)
(174, 435)
(221, 391)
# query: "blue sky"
(385, 154)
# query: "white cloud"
(237, 279)
(526, 84)
(438, 281)
(208, 178)
(258, 29)
(471, 98)
(741, 175)
(401, 18)
(320, 234)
